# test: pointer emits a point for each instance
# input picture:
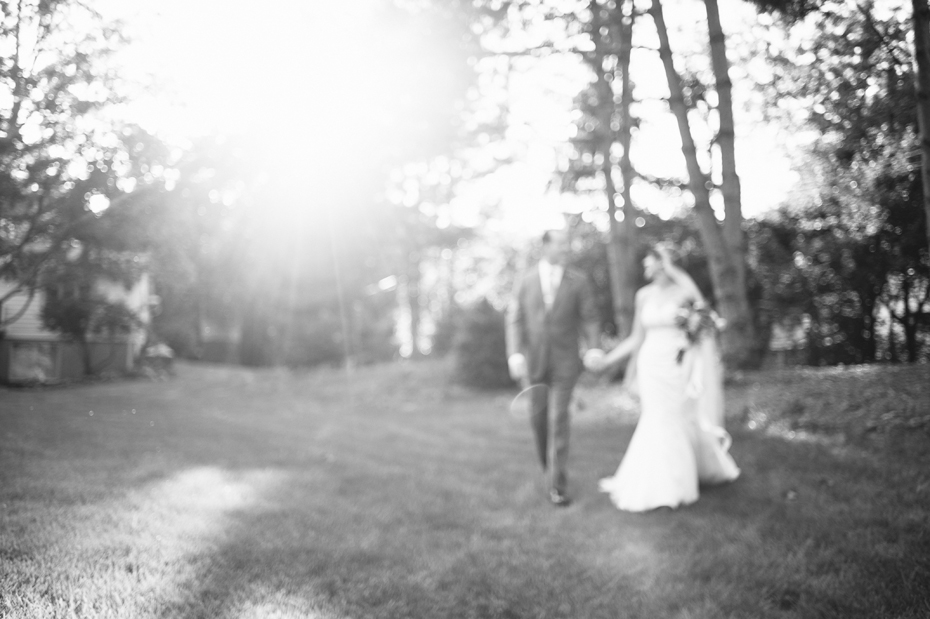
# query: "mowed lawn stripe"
(392, 492)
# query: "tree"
(420, 227)
(611, 31)
(604, 140)
(847, 264)
(600, 161)
(891, 36)
(60, 161)
(858, 246)
(76, 307)
(480, 351)
(195, 232)
(725, 140)
(281, 243)
(921, 22)
(739, 342)
(591, 254)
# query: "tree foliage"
(849, 255)
(851, 264)
(57, 153)
(601, 34)
(480, 351)
(77, 307)
(71, 175)
(283, 252)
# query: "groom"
(552, 306)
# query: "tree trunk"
(412, 292)
(892, 342)
(622, 309)
(625, 231)
(732, 299)
(621, 242)
(726, 133)
(869, 332)
(86, 357)
(619, 248)
(922, 57)
(909, 323)
(733, 232)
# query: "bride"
(679, 440)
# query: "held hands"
(516, 363)
(594, 360)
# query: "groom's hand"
(516, 363)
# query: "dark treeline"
(273, 260)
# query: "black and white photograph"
(465, 309)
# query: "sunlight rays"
(306, 93)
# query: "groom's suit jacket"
(550, 338)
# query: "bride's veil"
(705, 385)
(710, 369)
(705, 401)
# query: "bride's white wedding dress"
(679, 440)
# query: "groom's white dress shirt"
(550, 276)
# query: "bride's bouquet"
(697, 320)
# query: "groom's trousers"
(550, 420)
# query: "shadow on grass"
(806, 532)
(234, 493)
(436, 556)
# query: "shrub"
(447, 327)
(480, 348)
(179, 334)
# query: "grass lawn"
(228, 492)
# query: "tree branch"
(22, 310)
(882, 36)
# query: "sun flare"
(281, 75)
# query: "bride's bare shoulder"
(645, 292)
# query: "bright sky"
(285, 69)
(542, 100)
(280, 69)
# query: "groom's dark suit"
(550, 338)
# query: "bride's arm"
(679, 275)
(628, 346)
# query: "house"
(788, 343)
(31, 353)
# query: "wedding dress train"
(679, 441)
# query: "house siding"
(29, 325)
(31, 353)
